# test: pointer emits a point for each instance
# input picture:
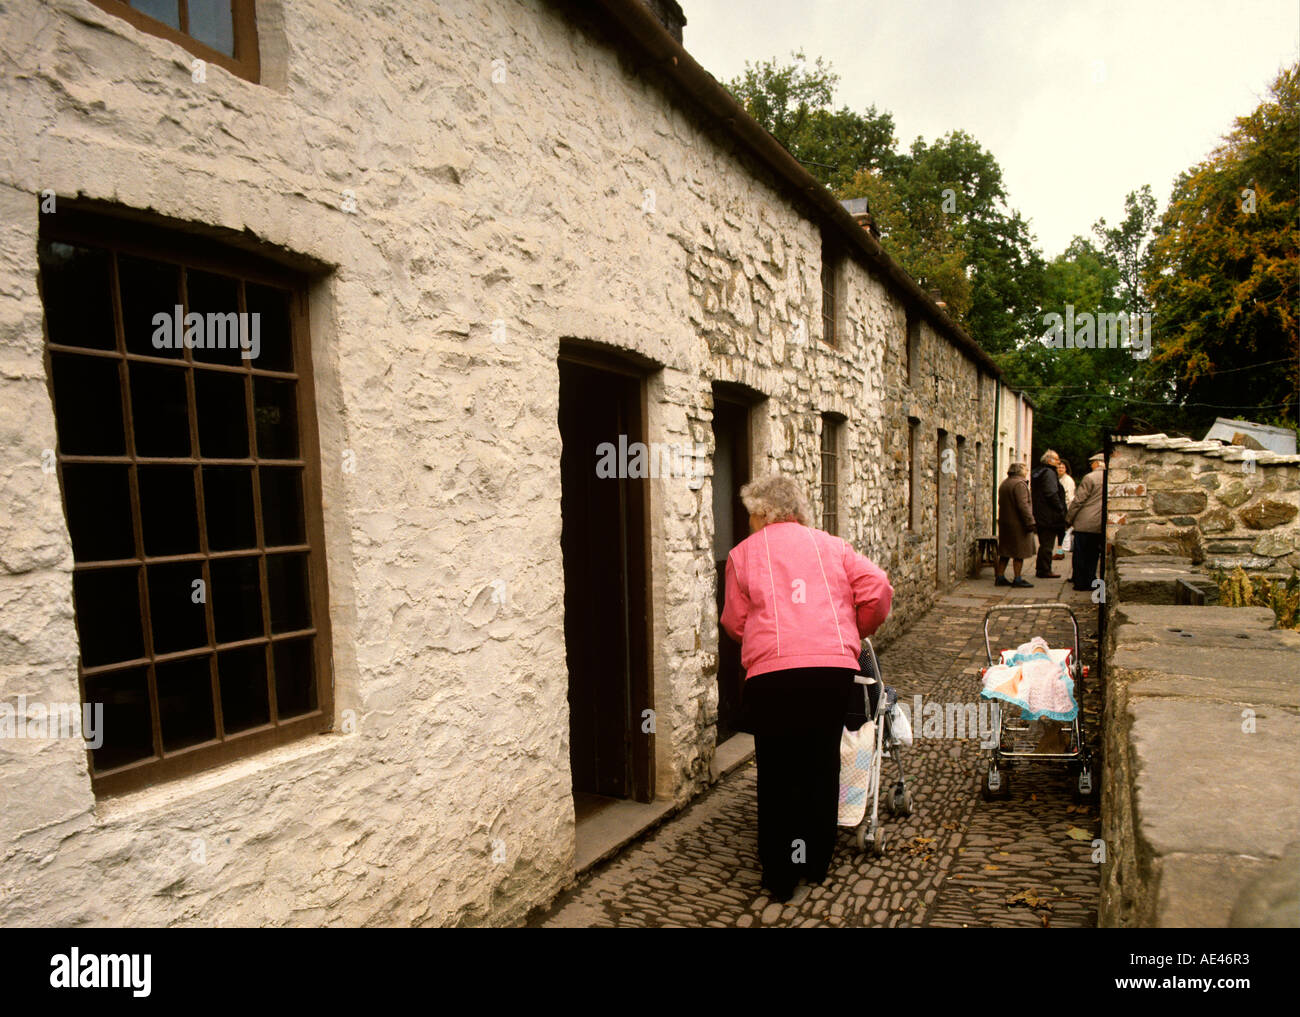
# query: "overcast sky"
(1079, 103)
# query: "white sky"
(1021, 76)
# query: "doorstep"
(610, 825)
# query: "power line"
(1208, 406)
(1211, 374)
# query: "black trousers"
(1087, 552)
(796, 718)
(1046, 545)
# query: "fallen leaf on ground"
(990, 868)
(1028, 899)
(1076, 833)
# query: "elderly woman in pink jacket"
(798, 601)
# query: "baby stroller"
(880, 730)
(1016, 735)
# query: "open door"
(604, 542)
(731, 467)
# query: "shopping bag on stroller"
(857, 775)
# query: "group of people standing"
(1048, 504)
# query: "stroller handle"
(1054, 606)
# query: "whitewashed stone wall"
(525, 201)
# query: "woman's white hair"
(775, 499)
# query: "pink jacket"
(799, 597)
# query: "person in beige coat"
(1015, 525)
(1084, 514)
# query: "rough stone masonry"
(465, 185)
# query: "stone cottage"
(379, 381)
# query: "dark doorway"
(945, 465)
(960, 499)
(731, 465)
(606, 607)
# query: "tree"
(943, 215)
(1078, 393)
(918, 234)
(1123, 245)
(1222, 272)
(794, 103)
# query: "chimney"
(858, 208)
(937, 297)
(670, 15)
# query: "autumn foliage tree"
(1223, 271)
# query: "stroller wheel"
(862, 837)
(1085, 784)
(996, 784)
(900, 801)
(878, 844)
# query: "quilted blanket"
(1036, 679)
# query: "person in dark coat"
(1015, 525)
(1049, 512)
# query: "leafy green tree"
(1223, 272)
(918, 234)
(1078, 393)
(943, 215)
(795, 103)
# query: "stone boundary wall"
(1218, 505)
(1199, 804)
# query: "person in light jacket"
(1085, 516)
(798, 600)
(1067, 488)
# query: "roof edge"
(638, 24)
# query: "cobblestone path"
(956, 861)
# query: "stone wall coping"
(1212, 447)
(1201, 751)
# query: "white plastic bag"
(1067, 542)
(900, 725)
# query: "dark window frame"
(911, 347)
(192, 252)
(913, 428)
(832, 259)
(831, 455)
(246, 62)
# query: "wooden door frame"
(641, 764)
(742, 402)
